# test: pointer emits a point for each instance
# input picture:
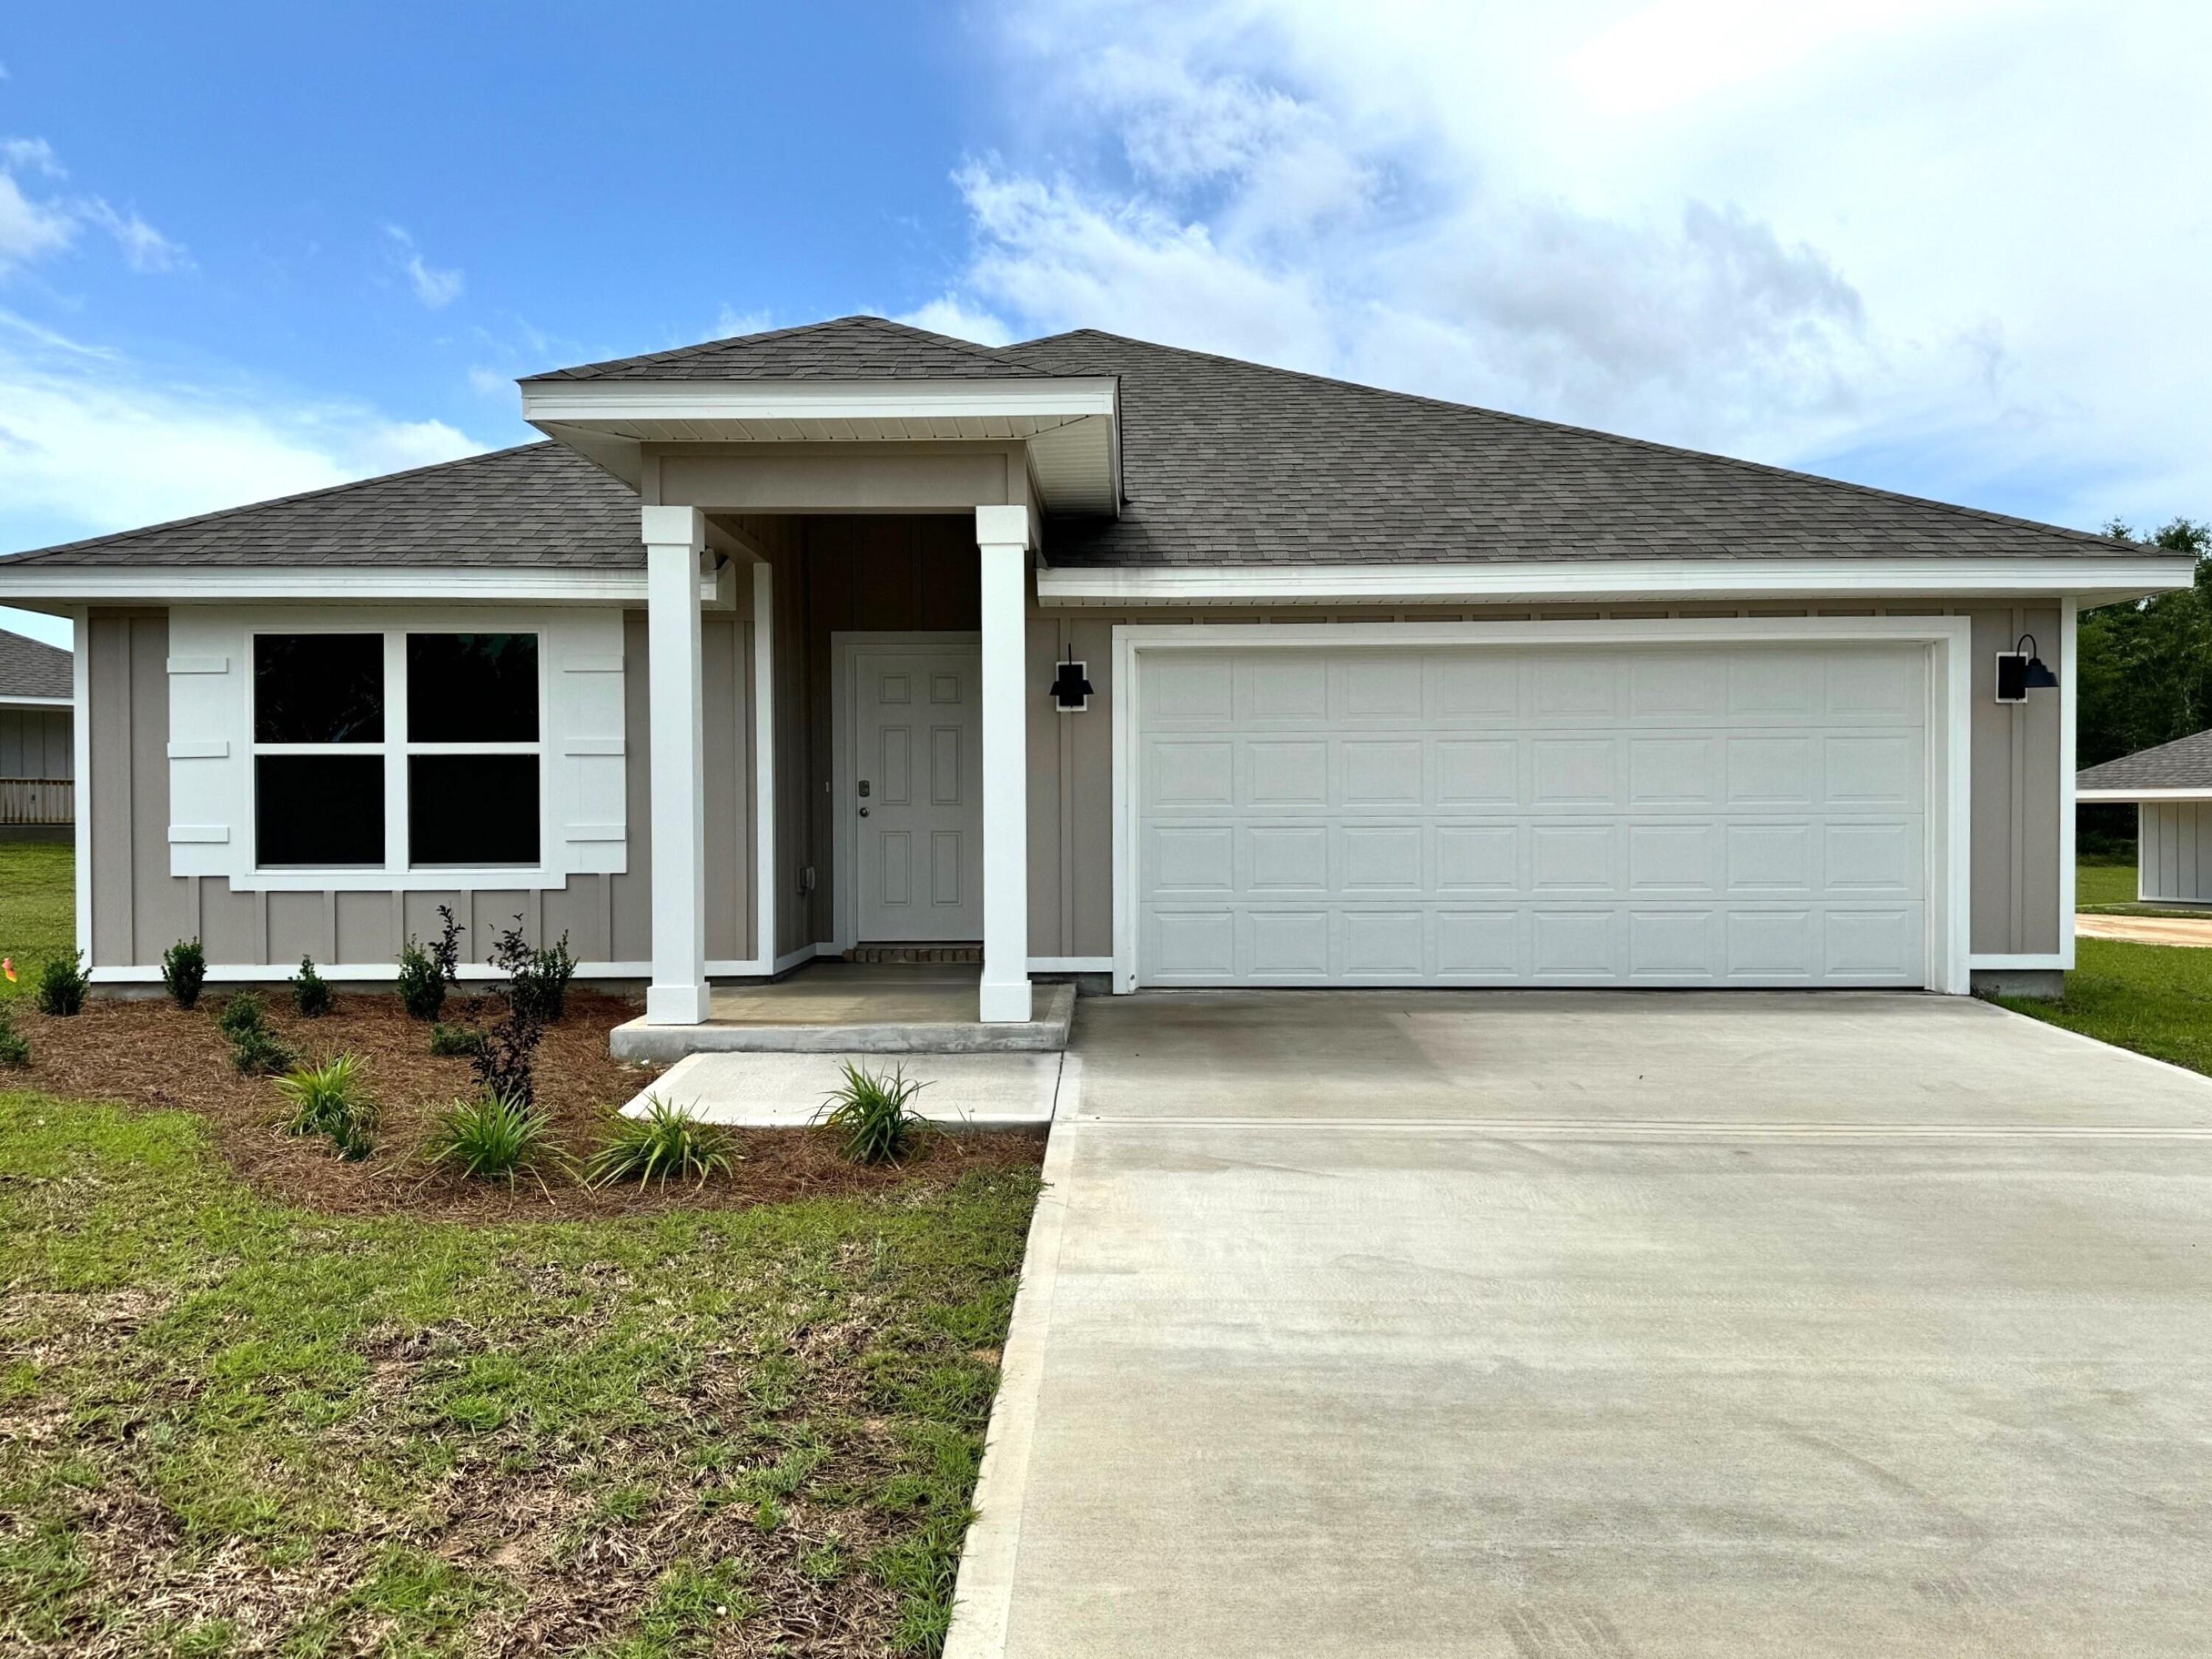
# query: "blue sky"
(1952, 246)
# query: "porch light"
(2019, 672)
(1070, 691)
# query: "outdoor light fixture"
(2019, 672)
(1070, 691)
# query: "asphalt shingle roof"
(845, 348)
(2185, 764)
(1224, 462)
(32, 668)
(540, 504)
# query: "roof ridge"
(31, 555)
(1766, 469)
(672, 353)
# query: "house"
(38, 746)
(1110, 658)
(2171, 787)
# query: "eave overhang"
(1070, 426)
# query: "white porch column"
(673, 538)
(1003, 535)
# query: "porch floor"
(845, 1007)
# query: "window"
(462, 767)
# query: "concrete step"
(1052, 1005)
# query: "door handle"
(864, 811)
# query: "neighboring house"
(37, 749)
(776, 647)
(2171, 787)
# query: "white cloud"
(489, 382)
(90, 442)
(949, 315)
(435, 288)
(34, 228)
(730, 322)
(1949, 245)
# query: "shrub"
(873, 1116)
(15, 1046)
(254, 1046)
(62, 984)
(490, 1137)
(666, 1141)
(503, 1058)
(537, 980)
(449, 1039)
(184, 970)
(425, 970)
(311, 992)
(331, 1099)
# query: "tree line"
(2144, 672)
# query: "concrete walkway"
(774, 1091)
(2147, 930)
(1595, 1325)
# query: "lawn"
(254, 1399)
(2154, 998)
(2102, 883)
(38, 907)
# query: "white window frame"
(396, 748)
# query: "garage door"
(1485, 815)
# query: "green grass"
(2101, 883)
(38, 907)
(2154, 998)
(225, 1424)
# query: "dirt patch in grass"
(151, 1054)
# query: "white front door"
(1448, 815)
(918, 793)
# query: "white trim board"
(585, 402)
(80, 741)
(326, 583)
(2096, 796)
(846, 647)
(1950, 682)
(1586, 580)
(38, 702)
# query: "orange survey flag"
(8, 967)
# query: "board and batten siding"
(2173, 851)
(2015, 763)
(36, 743)
(139, 909)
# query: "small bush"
(666, 1141)
(62, 984)
(184, 970)
(15, 1046)
(426, 970)
(488, 1137)
(873, 1116)
(537, 980)
(503, 1058)
(331, 1099)
(450, 1039)
(254, 1048)
(311, 992)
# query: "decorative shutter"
(585, 764)
(210, 743)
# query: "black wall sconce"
(1071, 692)
(2019, 672)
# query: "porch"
(829, 1007)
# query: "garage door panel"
(1502, 816)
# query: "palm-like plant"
(664, 1140)
(489, 1136)
(873, 1115)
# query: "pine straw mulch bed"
(148, 1052)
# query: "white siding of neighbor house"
(2173, 851)
(36, 743)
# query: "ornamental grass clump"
(490, 1138)
(872, 1115)
(331, 1099)
(184, 971)
(667, 1140)
(62, 985)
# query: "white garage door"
(1495, 816)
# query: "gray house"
(2171, 787)
(1102, 658)
(38, 745)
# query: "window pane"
(319, 809)
(472, 688)
(471, 809)
(318, 688)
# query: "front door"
(918, 793)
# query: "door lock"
(864, 789)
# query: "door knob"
(864, 811)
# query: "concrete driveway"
(1549, 1325)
